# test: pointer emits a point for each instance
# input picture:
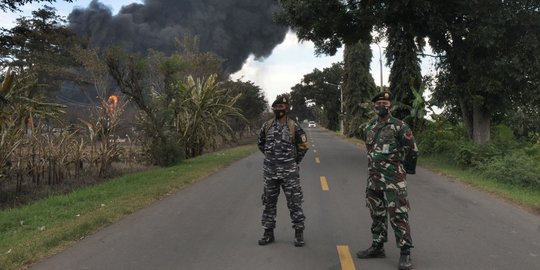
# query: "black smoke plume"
(232, 29)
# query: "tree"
(330, 23)
(299, 105)
(402, 54)
(142, 80)
(322, 88)
(180, 116)
(358, 86)
(13, 5)
(486, 48)
(251, 102)
(40, 45)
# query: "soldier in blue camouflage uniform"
(284, 144)
(392, 153)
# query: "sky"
(276, 74)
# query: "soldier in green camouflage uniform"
(392, 152)
(284, 144)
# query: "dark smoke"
(232, 29)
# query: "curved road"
(215, 224)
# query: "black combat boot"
(405, 261)
(268, 237)
(299, 238)
(375, 251)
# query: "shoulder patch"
(304, 138)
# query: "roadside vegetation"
(476, 116)
(505, 166)
(72, 115)
(47, 226)
(77, 122)
(509, 174)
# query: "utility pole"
(380, 62)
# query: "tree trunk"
(466, 113)
(481, 124)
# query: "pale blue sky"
(275, 74)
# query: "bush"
(166, 153)
(440, 140)
(503, 159)
(516, 168)
(533, 152)
(503, 138)
(470, 155)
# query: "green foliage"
(439, 139)
(299, 106)
(415, 113)
(533, 151)
(486, 49)
(405, 73)
(39, 45)
(517, 168)
(177, 111)
(251, 102)
(322, 90)
(329, 23)
(470, 155)
(202, 113)
(525, 196)
(358, 86)
(504, 159)
(167, 153)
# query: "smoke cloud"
(232, 29)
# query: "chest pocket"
(387, 142)
(370, 137)
(387, 136)
(278, 139)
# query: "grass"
(45, 227)
(526, 197)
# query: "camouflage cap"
(281, 100)
(382, 96)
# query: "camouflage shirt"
(387, 144)
(277, 145)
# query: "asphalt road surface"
(215, 224)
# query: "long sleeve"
(408, 142)
(262, 138)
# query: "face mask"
(279, 113)
(381, 110)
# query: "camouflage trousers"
(392, 203)
(289, 180)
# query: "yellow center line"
(317, 160)
(314, 151)
(345, 258)
(324, 183)
(313, 145)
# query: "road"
(215, 224)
